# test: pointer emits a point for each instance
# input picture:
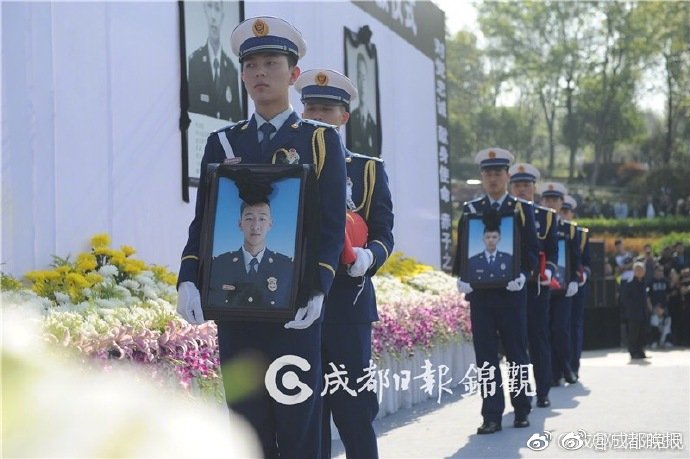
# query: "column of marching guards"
(542, 321)
(335, 324)
(508, 314)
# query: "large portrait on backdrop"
(490, 250)
(253, 250)
(363, 133)
(212, 95)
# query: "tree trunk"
(668, 146)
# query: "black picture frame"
(228, 291)
(205, 107)
(563, 272)
(363, 131)
(475, 268)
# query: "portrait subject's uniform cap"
(324, 86)
(490, 158)
(553, 189)
(569, 203)
(267, 34)
(523, 172)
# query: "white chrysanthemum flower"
(108, 271)
(130, 284)
(62, 298)
(122, 292)
(145, 278)
(149, 292)
(110, 303)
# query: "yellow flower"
(77, 280)
(85, 262)
(132, 267)
(93, 278)
(162, 274)
(128, 250)
(100, 240)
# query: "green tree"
(667, 26)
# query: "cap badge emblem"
(260, 28)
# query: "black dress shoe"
(543, 402)
(570, 377)
(521, 422)
(488, 427)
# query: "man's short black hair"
(244, 205)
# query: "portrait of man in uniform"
(490, 251)
(252, 275)
(213, 80)
(364, 127)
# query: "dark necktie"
(253, 267)
(494, 206)
(267, 129)
(216, 75)
(491, 260)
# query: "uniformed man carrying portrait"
(351, 306)
(501, 311)
(560, 309)
(269, 49)
(523, 178)
(577, 316)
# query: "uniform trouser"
(349, 345)
(637, 330)
(285, 430)
(577, 325)
(560, 313)
(538, 335)
(495, 312)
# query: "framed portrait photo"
(363, 133)
(254, 247)
(490, 251)
(563, 273)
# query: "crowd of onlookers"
(654, 206)
(654, 296)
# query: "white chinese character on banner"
(518, 379)
(428, 377)
(369, 378)
(402, 382)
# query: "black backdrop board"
(272, 210)
(211, 93)
(422, 24)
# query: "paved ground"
(614, 395)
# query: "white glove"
(584, 278)
(464, 287)
(516, 284)
(307, 315)
(549, 275)
(572, 289)
(189, 303)
(362, 263)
